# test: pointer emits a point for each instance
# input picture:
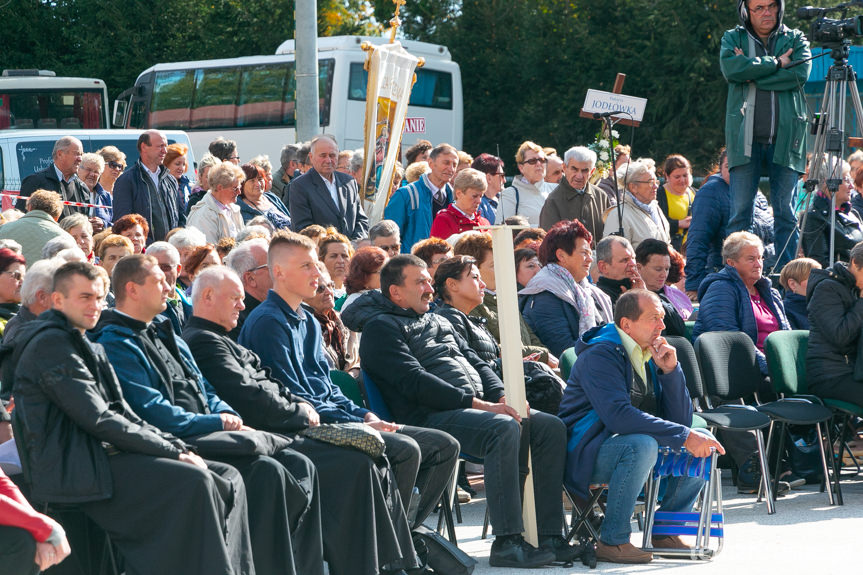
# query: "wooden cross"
(618, 89)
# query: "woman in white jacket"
(217, 214)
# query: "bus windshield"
(45, 109)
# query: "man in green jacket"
(766, 119)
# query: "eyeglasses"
(17, 276)
(260, 267)
(326, 287)
(535, 161)
(116, 166)
(651, 182)
(772, 7)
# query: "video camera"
(832, 31)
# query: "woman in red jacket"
(29, 541)
(462, 215)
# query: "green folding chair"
(567, 361)
(348, 385)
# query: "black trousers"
(284, 512)
(17, 551)
(364, 524)
(497, 439)
(166, 516)
(425, 458)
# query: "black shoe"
(562, 550)
(514, 551)
(749, 478)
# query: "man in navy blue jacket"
(286, 336)
(625, 398)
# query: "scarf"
(583, 296)
(652, 209)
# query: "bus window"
(215, 104)
(172, 99)
(326, 68)
(262, 95)
(23, 109)
(433, 89)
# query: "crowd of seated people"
(150, 338)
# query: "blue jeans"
(783, 197)
(624, 462)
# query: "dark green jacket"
(747, 72)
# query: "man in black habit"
(167, 510)
(363, 520)
(162, 383)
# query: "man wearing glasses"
(576, 197)
(529, 190)
(765, 129)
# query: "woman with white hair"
(642, 217)
(738, 298)
(218, 214)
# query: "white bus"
(38, 99)
(251, 99)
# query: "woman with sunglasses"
(115, 164)
(11, 277)
(529, 190)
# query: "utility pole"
(306, 38)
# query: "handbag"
(238, 443)
(356, 435)
(440, 553)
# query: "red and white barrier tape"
(65, 203)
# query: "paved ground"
(806, 535)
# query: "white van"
(25, 152)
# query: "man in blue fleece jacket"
(626, 397)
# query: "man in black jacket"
(618, 272)
(429, 376)
(363, 521)
(167, 510)
(835, 322)
(148, 188)
(162, 382)
(326, 197)
(61, 176)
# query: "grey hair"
(856, 256)
(580, 154)
(71, 255)
(320, 137)
(11, 244)
(74, 220)
(224, 175)
(91, 158)
(263, 222)
(210, 278)
(289, 154)
(64, 143)
(637, 171)
(241, 260)
(384, 229)
(188, 238)
(262, 161)
(11, 215)
(357, 160)
(244, 234)
(605, 246)
(208, 161)
(164, 248)
(734, 244)
(39, 277)
(57, 244)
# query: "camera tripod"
(830, 137)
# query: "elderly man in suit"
(326, 197)
(61, 176)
